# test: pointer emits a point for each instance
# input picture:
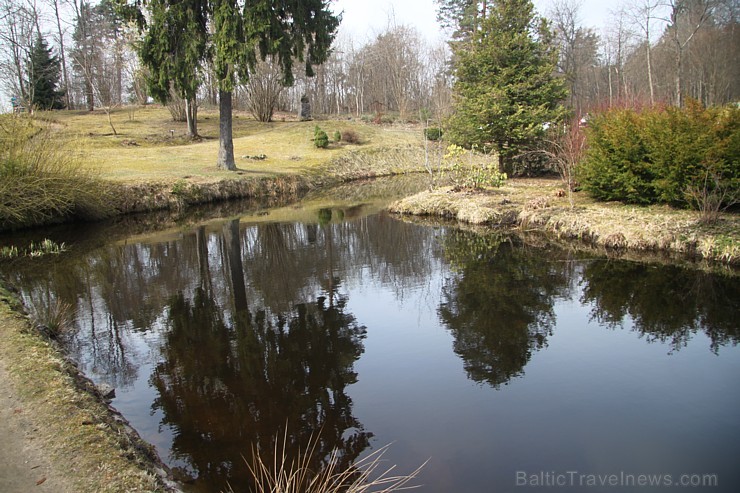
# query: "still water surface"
(507, 365)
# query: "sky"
(363, 19)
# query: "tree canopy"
(506, 87)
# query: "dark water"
(512, 367)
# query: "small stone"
(107, 391)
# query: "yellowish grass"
(93, 451)
(151, 147)
(275, 472)
(535, 205)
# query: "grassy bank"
(92, 447)
(149, 164)
(535, 204)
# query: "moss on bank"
(534, 204)
(92, 445)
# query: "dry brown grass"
(533, 204)
(275, 472)
(94, 452)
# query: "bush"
(350, 137)
(41, 181)
(320, 139)
(433, 133)
(475, 176)
(659, 155)
(337, 136)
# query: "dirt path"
(24, 463)
(56, 433)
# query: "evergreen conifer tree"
(506, 87)
(183, 35)
(44, 71)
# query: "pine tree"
(44, 71)
(506, 87)
(175, 47)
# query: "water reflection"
(498, 303)
(226, 386)
(217, 337)
(667, 304)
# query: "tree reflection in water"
(498, 303)
(227, 385)
(666, 303)
(225, 388)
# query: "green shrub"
(475, 176)
(616, 165)
(337, 136)
(433, 133)
(320, 139)
(42, 181)
(658, 155)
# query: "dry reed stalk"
(279, 474)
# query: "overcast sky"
(365, 18)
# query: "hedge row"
(662, 155)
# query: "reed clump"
(43, 179)
(276, 472)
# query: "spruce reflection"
(667, 303)
(499, 303)
(232, 376)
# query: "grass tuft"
(41, 179)
(277, 473)
(52, 317)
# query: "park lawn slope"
(150, 147)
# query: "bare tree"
(55, 5)
(18, 30)
(686, 18)
(616, 46)
(578, 60)
(263, 89)
(356, 73)
(644, 14)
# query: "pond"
(511, 364)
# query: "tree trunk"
(118, 57)
(225, 137)
(650, 73)
(679, 94)
(191, 114)
(62, 54)
(89, 94)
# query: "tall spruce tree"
(506, 87)
(44, 71)
(174, 48)
(231, 35)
